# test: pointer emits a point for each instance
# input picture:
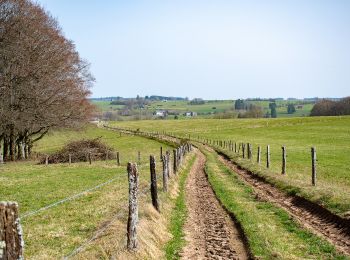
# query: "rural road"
(209, 231)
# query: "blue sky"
(211, 49)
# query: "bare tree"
(44, 84)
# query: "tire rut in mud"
(314, 217)
(210, 231)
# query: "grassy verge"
(271, 233)
(178, 218)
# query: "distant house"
(190, 114)
(160, 113)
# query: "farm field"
(58, 231)
(93, 225)
(210, 107)
(330, 136)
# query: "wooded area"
(331, 108)
(44, 84)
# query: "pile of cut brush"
(79, 152)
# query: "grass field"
(57, 231)
(330, 136)
(210, 107)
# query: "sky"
(211, 49)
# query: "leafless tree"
(44, 84)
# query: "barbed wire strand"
(102, 230)
(32, 213)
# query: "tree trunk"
(12, 144)
(6, 148)
(1, 154)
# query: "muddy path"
(209, 231)
(315, 218)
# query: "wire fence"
(179, 153)
(35, 212)
(102, 230)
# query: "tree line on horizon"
(44, 83)
(327, 107)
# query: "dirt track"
(209, 231)
(311, 216)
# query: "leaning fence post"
(313, 158)
(118, 159)
(259, 155)
(165, 173)
(284, 159)
(268, 156)
(154, 191)
(11, 235)
(133, 206)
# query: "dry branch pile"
(79, 151)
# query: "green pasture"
(330, 136)
(211, 106)
(55, 232)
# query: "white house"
(191, 114)
(160, 113)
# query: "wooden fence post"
(11, 235)
(107, 155)
(165, 173)
(314, 159)
(284, 159)
(243, 150)
(47, 160)
(154, 190)
(161, 153)
(90, 161)
(175, 161)
(259, 155)
(133, 176)
(249, 151)
(69, 158)
(118, 159)
(139, 157)
(235, 147)
(268, 156)
(168, 163)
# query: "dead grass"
(152, 230)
